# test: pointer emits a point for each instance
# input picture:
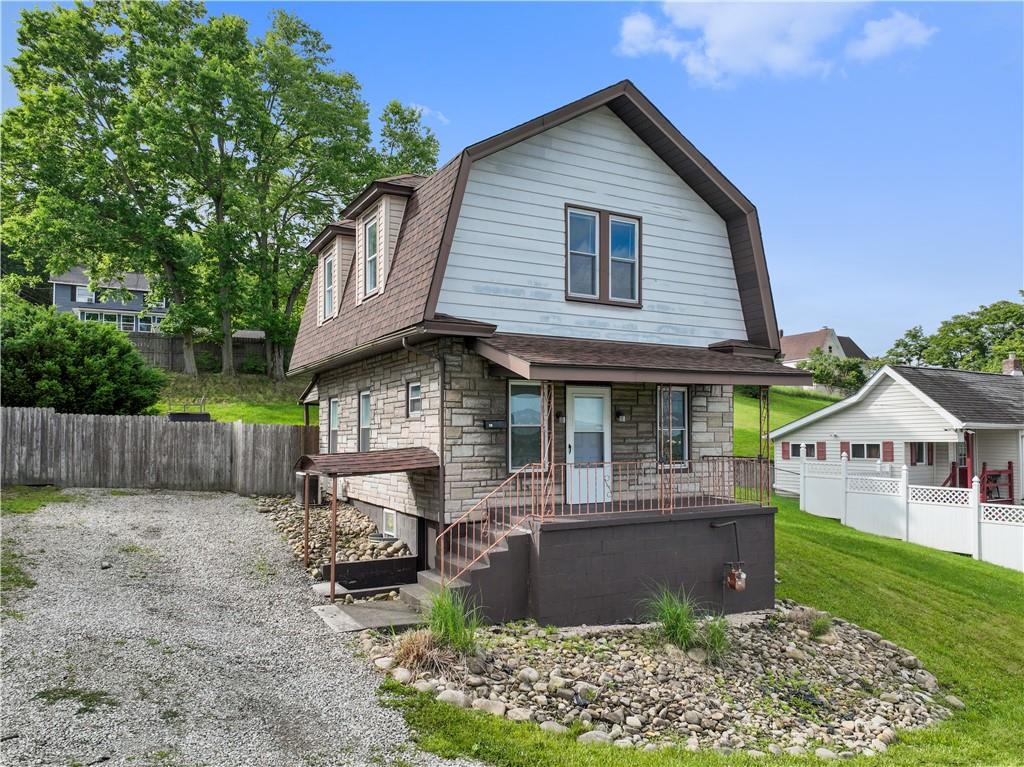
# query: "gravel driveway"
(175, 629)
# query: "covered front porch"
(992, 455)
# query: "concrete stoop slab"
(372, 615)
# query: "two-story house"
(108, 302)
(524, 365)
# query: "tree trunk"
(188, 346)
(227, 349)
(277, 371)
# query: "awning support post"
(305, 523)
(334, 532)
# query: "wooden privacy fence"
(41, 446)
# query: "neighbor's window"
(127, 322)
(390, 524)
(583, 253)
(370, 256)
(90, 316)
(918, 452)
(866, 450)
(328, 287)
(624, 258)
(810, 450)
(84, 296)
(672, 421)
(364, 421)
(523, 424)
(145, 325)
(333, 418)
(110, 319)
(415, 399)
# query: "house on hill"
(946, 426)
(130, 312)
(524, 367)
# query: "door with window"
(588, 444)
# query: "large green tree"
(152, 138)
(843, 373)
(978, 340)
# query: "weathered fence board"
(41, 446)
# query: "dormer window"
(370, 256)
(329, 286)
(603, 257)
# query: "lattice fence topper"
(947, 496)
(823, 469)
(879, 485)
(1002, 513)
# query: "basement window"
(389, 525)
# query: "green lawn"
(250, 398)
(785, 405)
(964, 619)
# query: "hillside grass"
(249, 398)
(964, 619)
(785, 404)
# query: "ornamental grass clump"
(714, 638)
(418, 650)
(453, 621)
(820, 625)
(677, 615)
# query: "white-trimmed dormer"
(334, 259)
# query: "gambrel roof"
(963, 398)
(432, 212)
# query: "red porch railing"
(997, 484)
(575, 489)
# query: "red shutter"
(913, 453)
(931, 453)
(820, 451)
(887, 452)
(785, 451)
(844, 447)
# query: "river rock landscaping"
(354, 530)
(788, 684)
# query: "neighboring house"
(71, 293)
(544, 335)
(797, 348)
(946, 426)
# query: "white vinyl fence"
(946, 518)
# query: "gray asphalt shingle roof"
(971, 397)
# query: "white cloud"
(722, 42)
(884, 36)
(432, 114)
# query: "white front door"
(588, 444)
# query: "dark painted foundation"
(600, 569)
(373, 573)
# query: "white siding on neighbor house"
(507, 260)
(890, 412)
(996, 447)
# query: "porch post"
(764, 446)
(334, 532)
(969, 444)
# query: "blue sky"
(882, 143)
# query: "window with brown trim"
(603, 260)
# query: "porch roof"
(370, 462)
(580, 359)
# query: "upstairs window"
(328, 286)
(583, 254)
(415, 399)
(603, 257)
(370, 258)
(84, 296)
(624, 258)
(673, 437)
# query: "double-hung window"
(524, 417)
(673, 435)
(328, 287)
(127, 322)
(370, 256)
(145, 324)
(625, 258)
(918, 453)
(415, 399)
(364, 421)
(866, 451)
(584, 259)
(603, 258)
(333, 418)
(810, 450)
(84, 296)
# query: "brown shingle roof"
(851, 349)
(371, 462)
(404, 300)
(544, 357)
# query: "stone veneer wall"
(475, 457)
